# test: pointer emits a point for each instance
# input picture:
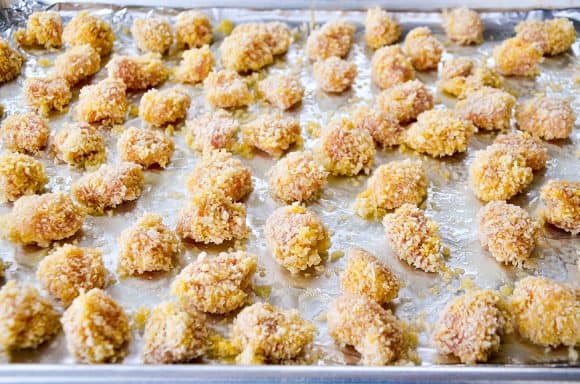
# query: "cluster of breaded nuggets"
(96, 327)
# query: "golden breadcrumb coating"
(43, 29)
(423, 49)
(517, 57)
(152, 34)
(140, 72)
(405, 101)
(226, 89)
(79, 145)
(192, 29)
(174, 334)
(96, 328)
(562, 201)
(10, 62)
(87, 29)
(104, 103)
(47, 94)
(210, 217)
(272, 133)
(414, 238)
(334, 75)
(213, 130)
(27, 320)
(456, 67)
(546, 312)
(383, 127)
(471, 326)
(20, 175)
(145, 147)
(109, 186)
(487, 108)
(147, 246)
(549, 118)
(42, 219)
(216, 284)
(77, 64)
(282, 91)
(508, 232)
(463, 25)
(275, 34)
(460, 77)
(499, 173)
(167, 106)
(531, 148)
(296, 237)
(245, 52)
(380, 28)
(297, 177)
(345, 150)
(24, 132)
(70, 270)
(390, 186)
(367, 276)
(332, 39)
(554, 36)
(390, 66)
(195, 65)
(265, 333)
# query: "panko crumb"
(79, 145)
(334, 75)
(405, 101)
(549, 118)
(24, 132)
(531, 148)
(517, 57)
(152, 34)
(70, 270)
(195, 65)
(96, 328)
(162, 107)
(47, 94)
(381, 28)
(43, 29)
(92, 30)
(145, 147)
(390, 66)
(296, 237)
(272, 133)
(461, 76)
(471, 326)
(414, 238)
(423, 49)
(332, 39)
(508, 232)
(554, 36)
(20, 175)
(463, 25)
(383, 127)
(275, 34)
(192, 29)
(104, 103)
(245, 52)
(216, 284)
(282, 91)
(140, 72)
(213, 130)
(77, 64)
(456, 67)
(226, 89)
(487, 108)
(562, 201)
(10, 62)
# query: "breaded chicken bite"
(282, 91)
(334, 75)
(332, 39)
(47, 95)
(167, 106)
(103, 103)
(423, 49)
(42, 219)
(457, 66)
(195, 65)
(345, 150)
(43, 29)
(545, 312)
(77, 63)
(562, 201)
(174, 334)
(226, 89)
(145, 147)
(517, 57)
(192, 29)
(296, 237)
(10, 62)
(548, 118)
(508, 232)
(96, 328)
(405, 101)
(460, 76)
(139, 72)
(297, 178)
(24, 132)
(70, 270)
(266, 334)
(414, 238)
(217, 284)
(463, 26)
(213, 130)
(27, 319)
(245, 52)
(275, 34)
(152, 34)
(79, 145)
(380, 28)
(471, 326)
(531, 148)
(109, 186)
(147, 246)
(390, 186)
(384, 128)
(92, 30)
(272, 133)
(554, 36)
(488, 108)
(390, 67)
(20, 175)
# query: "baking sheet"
(449, 200)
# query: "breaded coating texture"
(562, 201)
(463, 26)
(20, 175)
(24, 132)
(456, 66)
(414, 238)
(282, 91)
(140, 72)
(265, 333)
(390, 186)
(79, 145)
(96, 328)
(531, 148)
(152, 34)
(517, 57)
(423, 49)
(145, 147)
(217, 284)
(167, 106)
(10, 62)
(27, 320)
(383, 127)
(275, 34)
(192, 29)
(47, 94)
(147, 246)
(226, 89)
(174, 334)
(43, 29)
(70, 270)
(104, 103)
(42, 219)
(380, 28)
(345, 150)
(92, 30)
(405, 101)
(213, 130)
(471, 326)
(272, 133)
(373, 331)
(297, 177)
(390, 67)
(195, 65)
(296, 237)
(545, 312)
(109, 186)
(554, 36)
(508, 232)
(334, 75)
(487, 108)
(245, 52)
(548, 118)
(460, 76)
(77, 64)
(367, 276)
(332, 39)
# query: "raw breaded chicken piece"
(145, 147)
(463, 26)
(43, 29)
(24, 132)
(85, 28)
(423, 49)
(275, 34)
(405, 101)
(77, 64)
(282, 91)
(195, 65)
(79, 145)
(152, 34)
(390, 67)
(381, 28)
(20, 175)
(562, 201)
(518, 57)
(487, 108)
(531, 148)
(554, 36)
(226, 89)
(548, 118)
(334, 38)
(334, 75)
(192, 29)
(383, 127)
(272, 133)
(213, 130)
(162, 107)
(139, 72)
(47, 95)
(10, 62)
(104, 103)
